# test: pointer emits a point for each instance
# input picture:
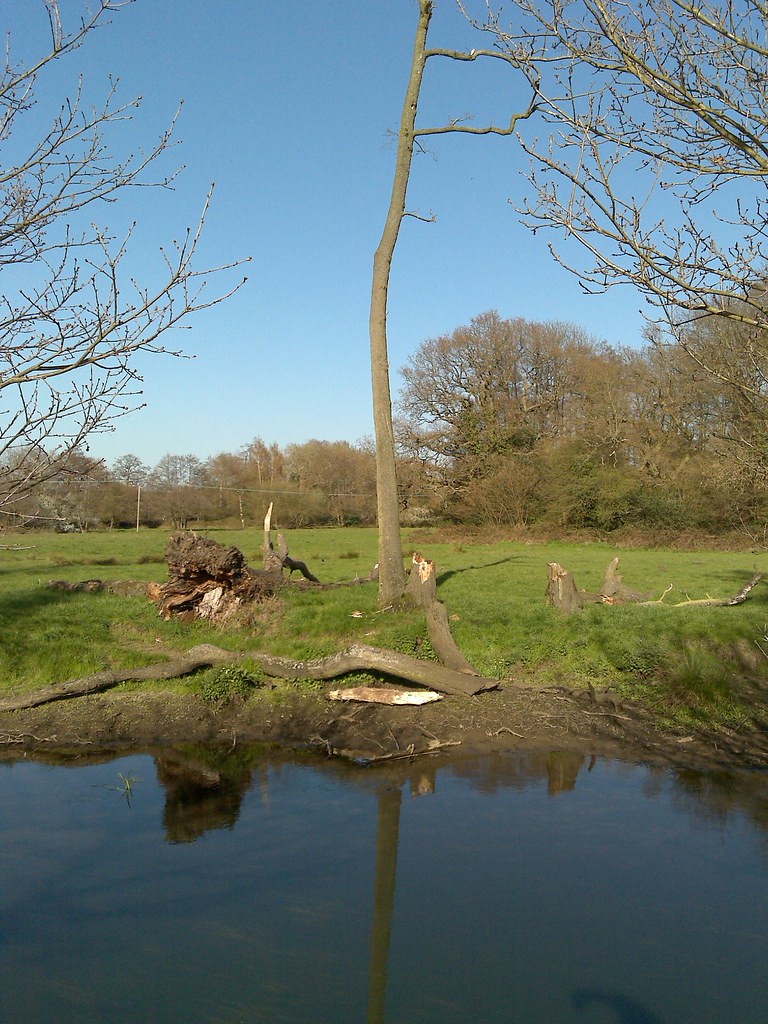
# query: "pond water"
(189, 886)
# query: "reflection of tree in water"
(204, 789)
(716, 796)
(519, 769)
(563, 766)
(388, 830)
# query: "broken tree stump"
(272, 560)
(562, 592)
(613, 590)
(276, 561)
(422, 591)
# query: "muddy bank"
(510, 718)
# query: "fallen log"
(199, 657)
(357, 658)
(87, 586)
(361, 657)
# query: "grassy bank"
(687, 662)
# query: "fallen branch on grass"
(714, 602)
(199, 657)
(361, 658)
(357, 658)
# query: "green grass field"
(687, 662)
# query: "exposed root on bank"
(199, 657)
(357, 658)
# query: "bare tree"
(129, 470)
(391, 572)
(657, 163)
(493, 387)
(72, 319)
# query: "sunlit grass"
(685, 661)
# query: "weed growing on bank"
(220, 686)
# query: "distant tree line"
(503, 422)
(539, 423)
(316, 483)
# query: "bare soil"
(516, 716)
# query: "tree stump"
(421, 589)
(272, 560)
(613, 590)
(562, 593)
(561, 589)
(276, 561)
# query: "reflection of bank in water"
(306, 911)
(205, 785)
(197, 797)
(518, 769)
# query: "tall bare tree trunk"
(391, 571)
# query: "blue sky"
(288, 108)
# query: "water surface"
(541, 888)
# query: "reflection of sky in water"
(532, 888)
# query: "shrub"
(220, 686)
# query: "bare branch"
(657, 159)
(72, 323)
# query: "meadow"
(688, 662)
